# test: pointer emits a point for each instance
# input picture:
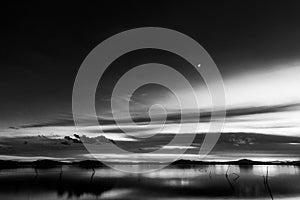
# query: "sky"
(254, 44)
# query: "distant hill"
(237, 162)
(95, 163)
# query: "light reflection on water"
(184, 182)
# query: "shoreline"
(96, 163)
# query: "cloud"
(233, 146)
(57, 122)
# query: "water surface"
(174, 182)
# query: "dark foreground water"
(184, 182)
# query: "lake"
(174, 182)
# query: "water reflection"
(189, 182)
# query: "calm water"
(189, 182)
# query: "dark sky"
(43, 44)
